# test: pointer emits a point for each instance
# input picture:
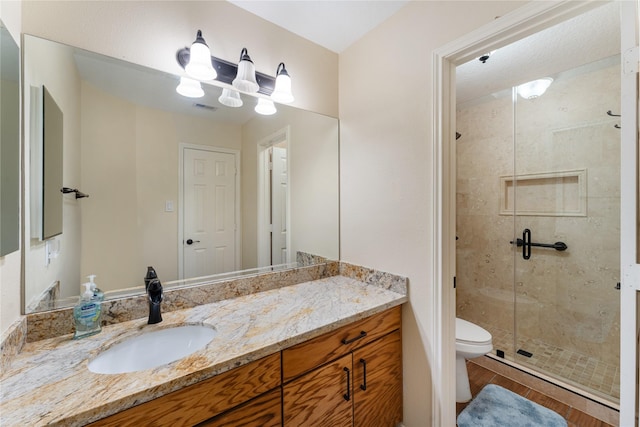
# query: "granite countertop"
(49, 382)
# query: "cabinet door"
(377, 385)
(263, 411)
(322, 397)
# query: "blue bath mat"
(497, 406)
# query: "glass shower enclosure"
(538, 225)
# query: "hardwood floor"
(480, 376)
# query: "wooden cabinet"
(204, 400)
(352, 376)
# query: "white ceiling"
(334, 24)
(587, 38)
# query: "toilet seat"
(471, 334)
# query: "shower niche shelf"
(559, 193)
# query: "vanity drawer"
(204, 400)
(306, 356)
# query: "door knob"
(191, 241)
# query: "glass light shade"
(265, 107)
(246, 76)
(282, 91)
(535, 88)
(230, 98)
(190, 88)
(199, 66)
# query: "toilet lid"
(470, 332)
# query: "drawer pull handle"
(363, 386)
(347, 396)
(349, 341)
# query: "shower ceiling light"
(535, 88)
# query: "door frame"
(522, 22)
(238, 224)
(264, 244)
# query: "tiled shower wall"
(566, 299)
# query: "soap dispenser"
(97, 292)
(87, 314)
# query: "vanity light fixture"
(246, 76)
(199, 66)
(230, 98)
(265, 107)
(282, 91)
(190, 88)
(242, 76)
(535, 88)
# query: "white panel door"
(279, 210)
(209, 212)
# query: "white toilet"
(471, 341)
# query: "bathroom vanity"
(350, 376)
(318, 350)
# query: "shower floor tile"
(586, 372)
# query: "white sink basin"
(152, 349)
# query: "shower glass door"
(538, 203)
(564, 196)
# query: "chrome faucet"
(154, 291)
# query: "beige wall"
(387, 192)
(10, 13)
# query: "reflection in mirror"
(190, 187)
(9, 142)
(52, 139)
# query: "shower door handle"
(526, 243)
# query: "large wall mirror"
(151, 178)
(9, 142)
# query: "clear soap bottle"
(87, 314)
